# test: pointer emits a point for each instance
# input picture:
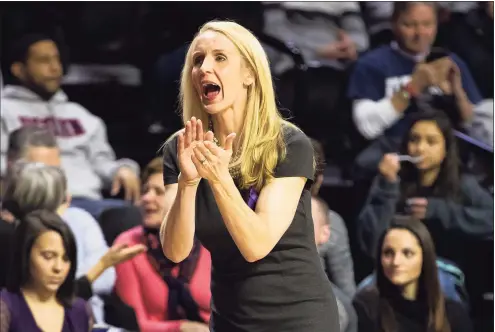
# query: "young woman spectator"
(407, 296)
(166, 296)
(451, 204)
(40, 287)
(36, 186)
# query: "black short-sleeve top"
(291, 275)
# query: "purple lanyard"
(252, 198)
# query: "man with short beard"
(37, 99)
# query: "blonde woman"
(242, 188)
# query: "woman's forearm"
(177, 229)
(96, 271)
(250, 234)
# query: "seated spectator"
(321, 223)
(86, 155)
(330, 36)
(166, 296)
(335, 251)
(388, 83)
(407, 295)
(38, 145)
(31, 187)
(453, 206)
(40, 289)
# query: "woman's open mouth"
(210, 91)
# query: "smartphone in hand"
(436, 53)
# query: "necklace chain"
(235, 171)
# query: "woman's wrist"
(221, 179)
(390, 178)
(188, 183)
(97, 270)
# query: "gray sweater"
(312, 25)
(336, 256)
(88, 159)
(445, 219)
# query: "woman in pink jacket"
(165, 296)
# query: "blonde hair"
(34, 186)
(261, 139)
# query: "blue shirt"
(383, 71)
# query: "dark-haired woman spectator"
(407, 296)
(40, 286)
(36, 186)
(451, 204)
(166, 296)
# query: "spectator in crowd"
(321, 223)
(378, 16)
(452, 205)
(166, 296)
(32, 144)
(40, 290)
(407, 294)
(335, 251)
(37, 144)
(86, 155)
(387, 84)
(31, 187)
(329, 33)
(330, 36)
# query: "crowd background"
(122, 61)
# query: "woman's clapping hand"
(212, 161)
(187, 140)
